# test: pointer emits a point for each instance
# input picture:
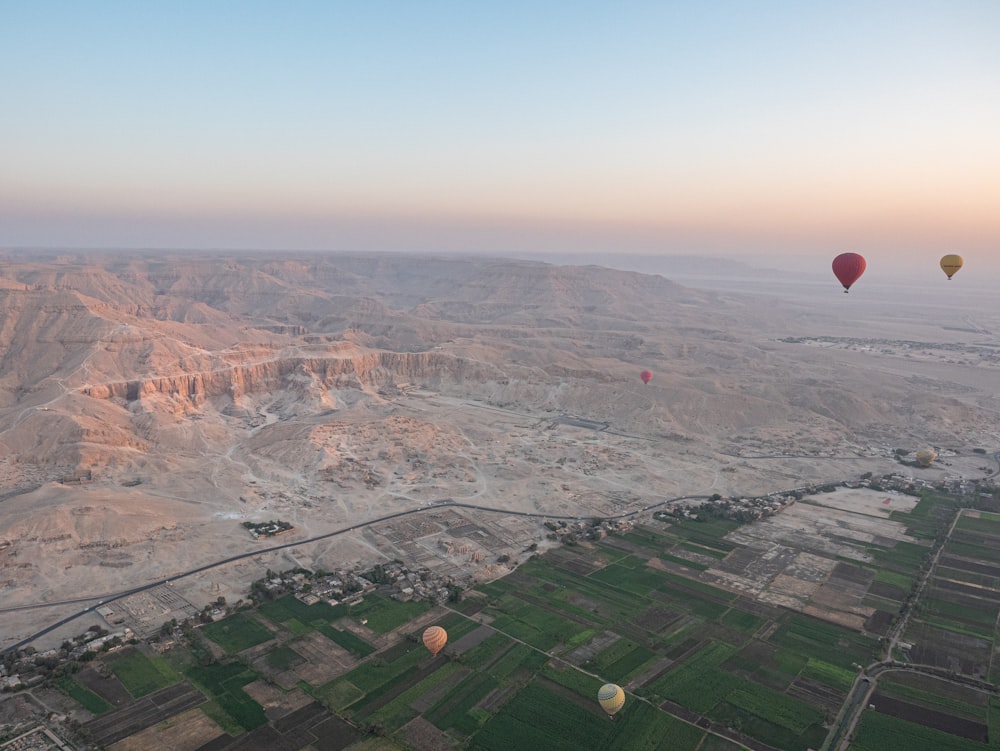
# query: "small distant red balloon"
(646, 376)
(848, 268)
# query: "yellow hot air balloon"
(435, 638)
(925, 457)
(611, 698)
(950, 264)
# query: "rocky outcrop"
(371, 370)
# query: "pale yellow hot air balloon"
(925, 457)
(611, 698)
(435, 638)
(950, 264)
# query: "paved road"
(864, 683)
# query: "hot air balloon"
(435, 638)
(611, 698)
(848, 268)
(951, 263)
(646, 376)
(925, 457)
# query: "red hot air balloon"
(646, 376)
(848, 268)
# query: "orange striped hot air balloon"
(435, 638)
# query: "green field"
(143, 675)
(289, 607)
(550, 633)
(541, 718)
(830, 675)
(719, 667)
(879, 732)
(962, 607)
(346, 639)
(284, 658)
(224, 683)
(87, 698)
(935, 694)
(383, 614)
(237, 632)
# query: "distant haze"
(722, 128)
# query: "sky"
(734, 128)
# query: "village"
(27, 667)
(746, 510)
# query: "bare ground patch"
(276, 701)
(187, 731)
(423, 736)
(324, 661)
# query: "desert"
(150, 403)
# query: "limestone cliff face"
(368, 370)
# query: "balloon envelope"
(848, 268)
(435, 638)
(646, 376)
(951, 263)
(611, 698)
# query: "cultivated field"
(706, 664)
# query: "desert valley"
(151, 403)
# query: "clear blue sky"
(651, 127)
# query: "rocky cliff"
(364, 371)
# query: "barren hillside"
(150, 401)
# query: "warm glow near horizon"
(721, 127)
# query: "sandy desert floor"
(488, 456)
(802, 393)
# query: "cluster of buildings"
(751, 509)
(37, 738)
(593, 529)
(267, 529)
(28, 668)
(957, 485)
(350, 587)
(739, 509)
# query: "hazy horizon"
(718, 129)
(804, 279)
